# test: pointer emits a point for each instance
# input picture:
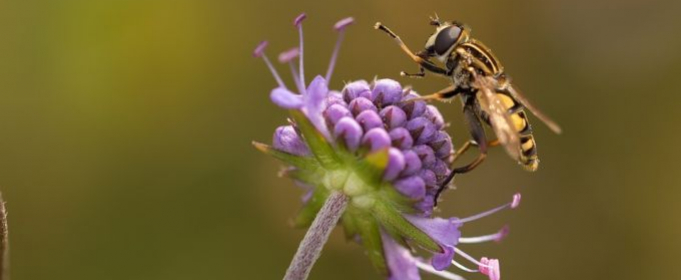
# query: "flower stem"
(315, 238)
(4, 242)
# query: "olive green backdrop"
(125, 130)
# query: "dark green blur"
(125, 131)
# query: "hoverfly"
(486, 93)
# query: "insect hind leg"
(479, 137)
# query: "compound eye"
(430, 45)
(446, 38)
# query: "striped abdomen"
(528, 148)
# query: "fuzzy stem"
(315, 238)
(4, 242)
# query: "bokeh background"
(125, 131)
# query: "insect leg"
(420, 74)
(445, 93)
(464, 148)
(428, 65)
(479, 137)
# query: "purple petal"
(401, 264)
(393, 116)
(317, 93)
(395, 164)
(361, 104)
(412, 187)
(426, 155)
(445, 232)
(376, 139)
(260, 49)
(413, 163)
(434, 115)
(442, 145)
(421, 129)
(286, 99)
(343, 23)
(289, 55)
(401, 138)
(286, 139)
(336, 112)
(386, 92)
(443, 260)
(369, 120)
(315, 103)
(354, 89)
(413, 109)
(349, 132)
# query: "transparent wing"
(498, 115)
(515, 93)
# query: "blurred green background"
(125, 130)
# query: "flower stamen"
(288, 57)
(259, 52)
(491, 268)
(442, 273)
(298, 22)
(497, 237)
(340, 27)
(513, 204)
(468, 257)
(464, 268)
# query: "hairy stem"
(4, 242)
(315, 238)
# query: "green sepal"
(373, 243)
(308, 213)
(372, 166)
(394, 222)
(321, 148)
(349, 221)
(310, 177)
(305, 163)
(402, 204)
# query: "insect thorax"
(459, 76)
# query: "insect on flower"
(486, 93)
(386, 150)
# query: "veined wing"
(520, 98)
(498, 115)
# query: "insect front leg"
(420, 74)
(423, 62)
(478, 136)
(422, 71)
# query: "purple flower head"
(386, 152)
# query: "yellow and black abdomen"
(528, 147)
